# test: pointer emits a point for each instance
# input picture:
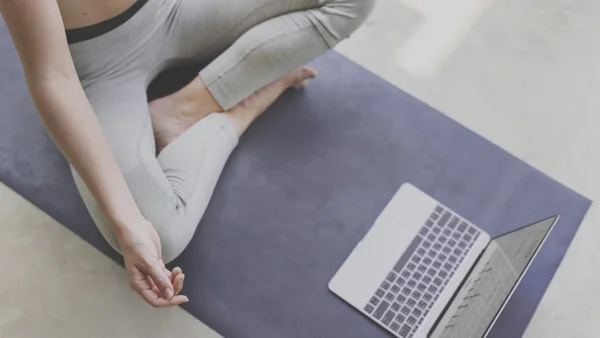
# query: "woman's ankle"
(195, 101)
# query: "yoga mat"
(301, 190)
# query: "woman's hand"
(146, 270)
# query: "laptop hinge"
(462, 283)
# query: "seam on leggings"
(225, 72)
(192, 186)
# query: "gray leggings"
(250, 43)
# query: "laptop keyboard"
(411, 288)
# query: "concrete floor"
(524, 74)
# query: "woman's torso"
(83, 13)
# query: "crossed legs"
(173, 150)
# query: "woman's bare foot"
(174, 114)
(248, 110)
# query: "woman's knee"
(346, 16)
(175, 235)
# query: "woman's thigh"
(203, 29)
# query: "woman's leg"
(173, 189)
(259, 41)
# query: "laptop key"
(439, 209)
(404, 331)
(389, 297)
(423, 231)
(385, 285)
(427, 297)
(437, 264)
(379, 293)
(427, 261)
(374, 301)
(406, 291)
(422, 268)
(467, 237)
(462, 245)
(395, 289)
(400, 298)
(395, 326)
(411, 267)
(381, 309)
(421, 287)
(443, 274)
(400, 318)
(391, 277)
(472, 230)
(462, 227)
(411, 320)
(396, 307)
(412, 283)
(453, 222)
(406, 255)
(447, 232)
(445, 217)
(400, 281)
(416, 259)
(411, 302)
(416, 275)
(405, 310)
(416, 295)
(417, 312)
(369, 308)
(422, 305)
(446, 250)
(426, 279)
(426, 245)
(387, 319)
(428, 223)
(436, 230)
(406, 274)
(437, 281)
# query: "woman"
(146, 172)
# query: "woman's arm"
(38, 33)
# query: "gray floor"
(524, 74)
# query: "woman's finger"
(176, 272)
(178, 283)
(175, 301)
(162, 281)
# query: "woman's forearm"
(71, 123)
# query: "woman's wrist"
(125, 220)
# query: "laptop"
(423, 270)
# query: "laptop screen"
(492, 281)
